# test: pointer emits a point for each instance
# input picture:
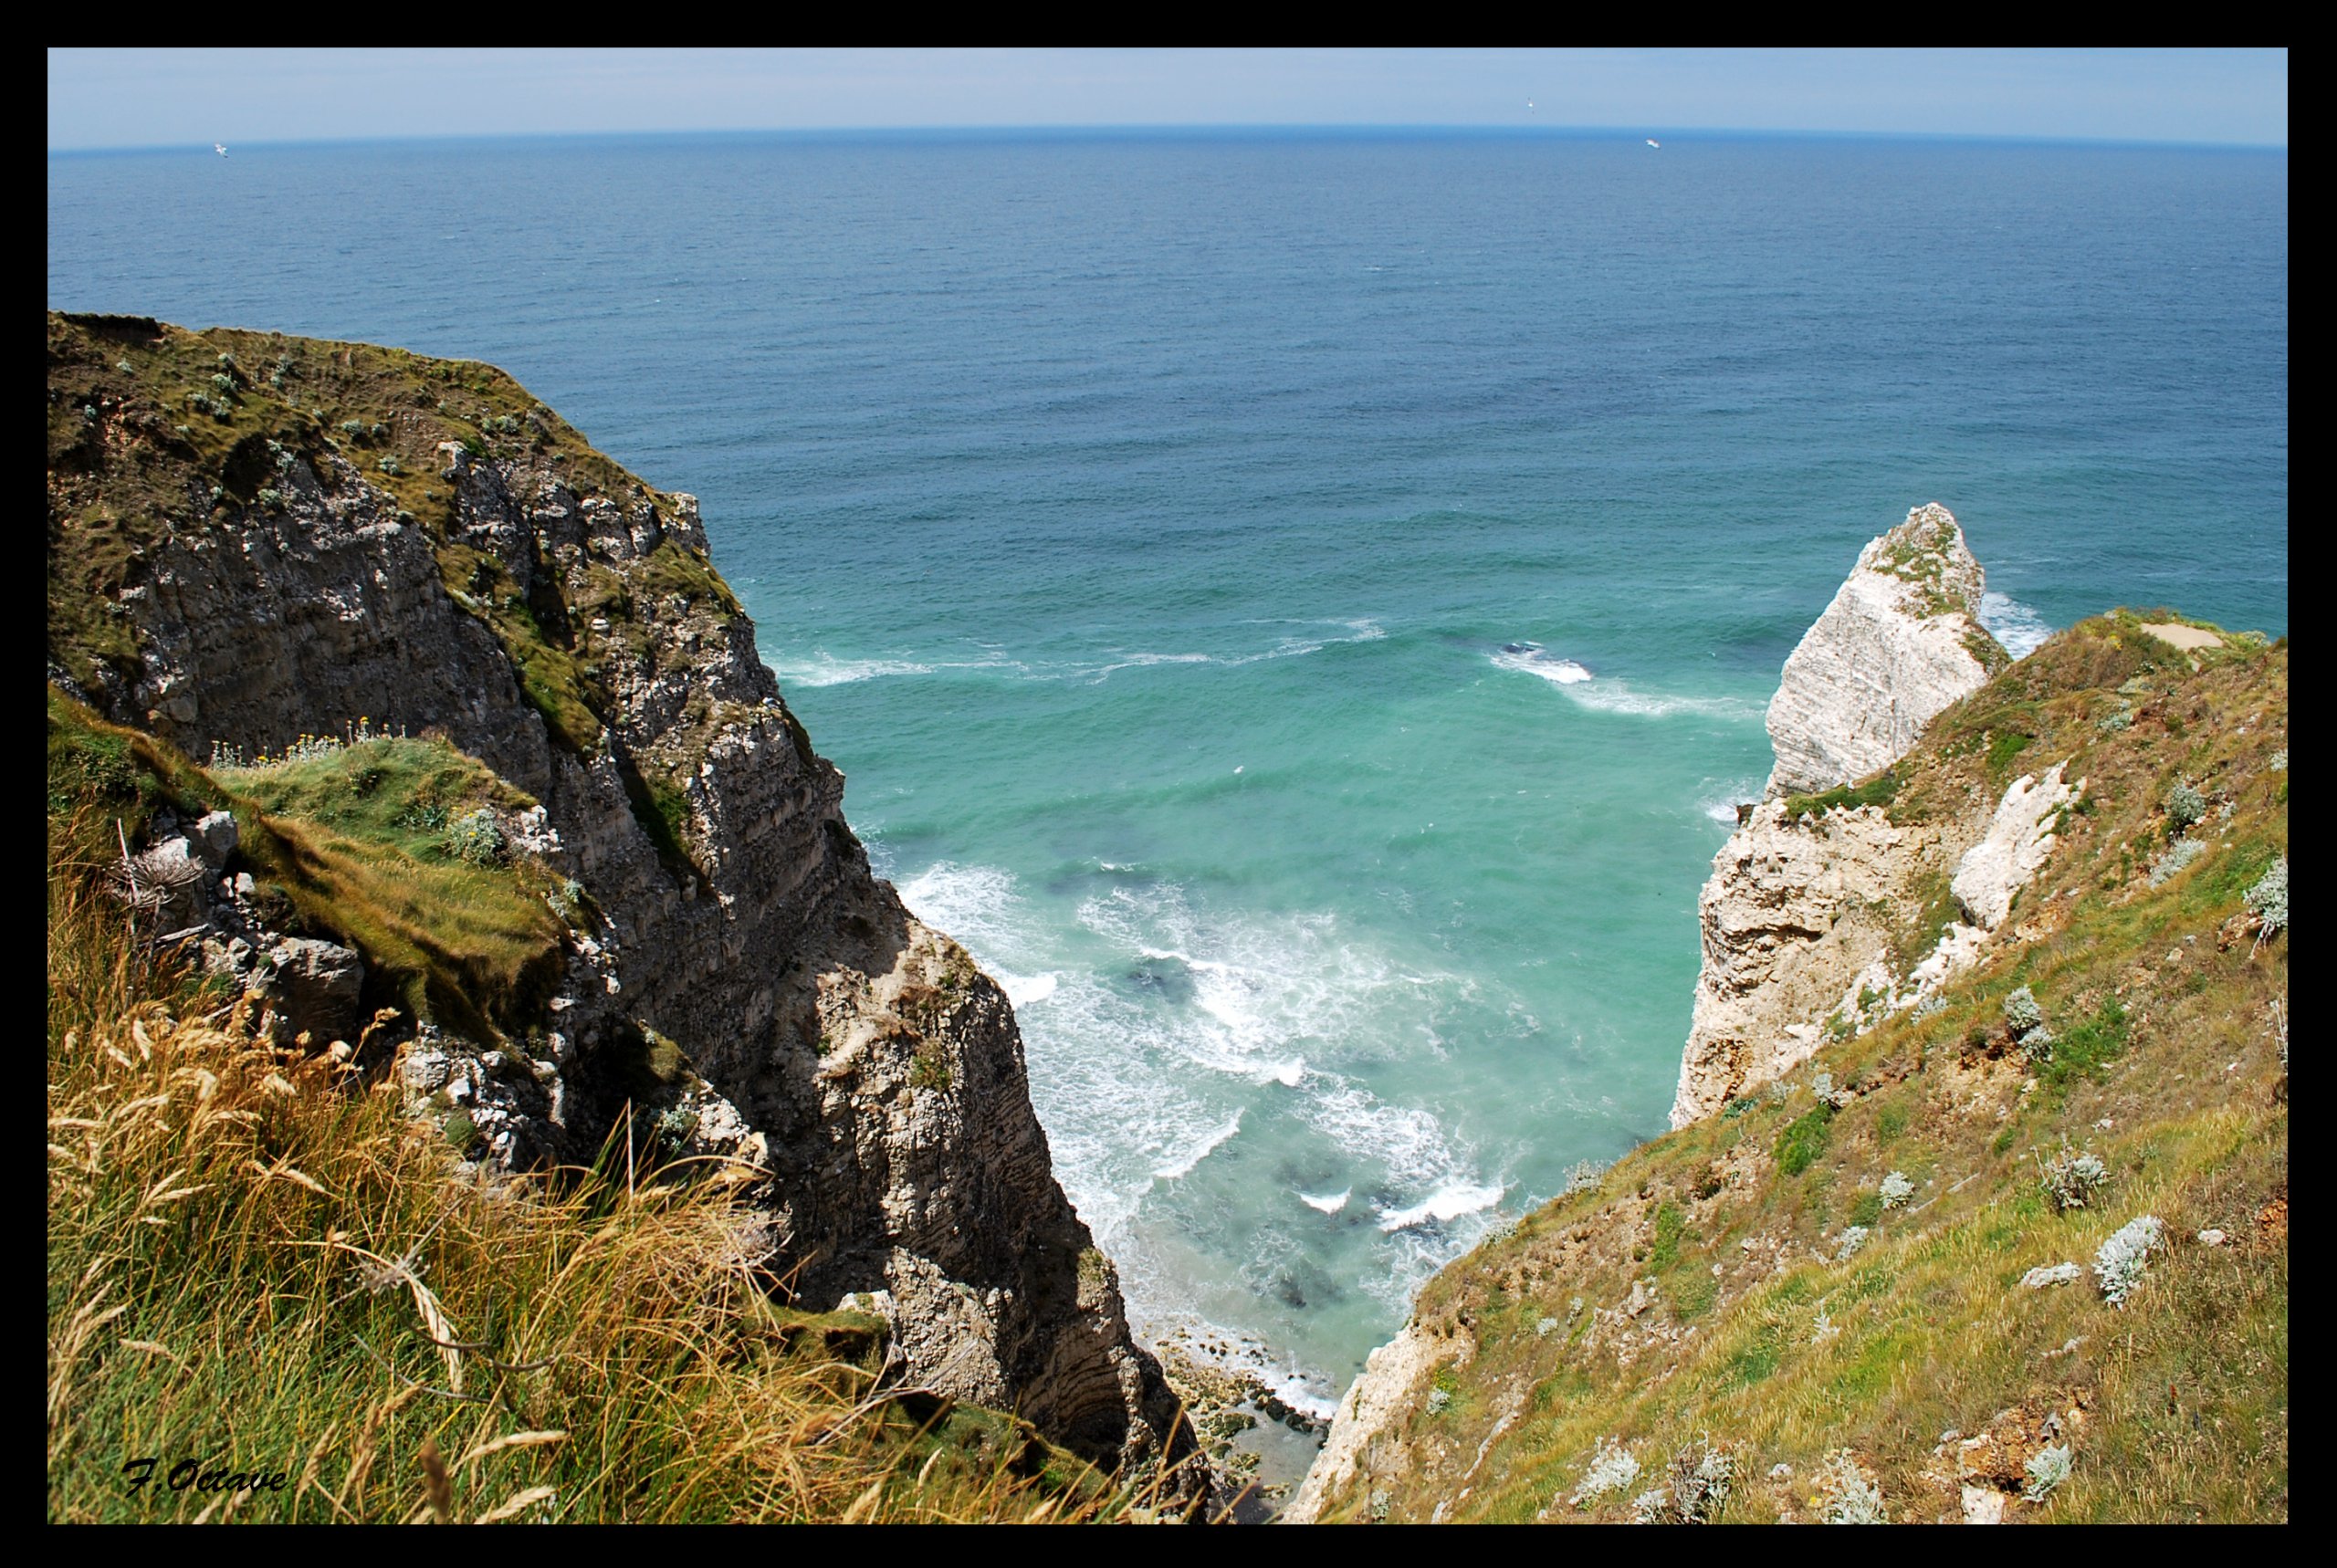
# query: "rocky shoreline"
(1253, 1440)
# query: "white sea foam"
(1533, 661)
(1361, 630)
(1148, 987)
(1183, 1164)
(2021, 628)
(1295, 1386)
(1261, 990)
(1616, 696)
(1721, 805)
(824, 670)
(1610, 695)
(1405, 1141)
(1445, 1203)
(1145, 660)
(1364, 630)
(1028, 990)
(978, 905)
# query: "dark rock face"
(863, 1058)
(318, 983)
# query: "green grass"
(337, 847)
(2086, 1048)
(2003, 747)
(1664, 1251)
(1879, 790)
(1804, 1139)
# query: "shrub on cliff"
(2185, 806)
(2047, 1469)
(2118, 1266)
(2021, 1011)
(1846, 1495)
(2270, 897)
(1611, 1470)
(475, 837)
(2070, 1180)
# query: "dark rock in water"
(1521, 647)
(1289, 1415)
(1166, 978)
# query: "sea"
(1299, 606)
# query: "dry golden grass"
(258, 1264)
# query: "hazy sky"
(132, 97)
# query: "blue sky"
(134, 98)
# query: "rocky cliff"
(1901, 640)
(254, 537)
(1806, 912)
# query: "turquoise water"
(1299, 608)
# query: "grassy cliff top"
(157, 432)
(153, 428)
(1824, 1283)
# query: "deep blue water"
(1138, 521)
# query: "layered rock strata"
(1786, 928)
(572, 636)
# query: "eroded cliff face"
(1377, 1401)
(561, 623)
(1788, 925)
(1806, 912)
(1901, 640)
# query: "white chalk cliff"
(1799, 910)
(1901, 640)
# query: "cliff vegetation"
(261, 1271)
(2016, 1250)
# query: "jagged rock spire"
(1901, 640)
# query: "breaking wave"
(2021, 628)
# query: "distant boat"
(220, 148)
(1651, 142)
